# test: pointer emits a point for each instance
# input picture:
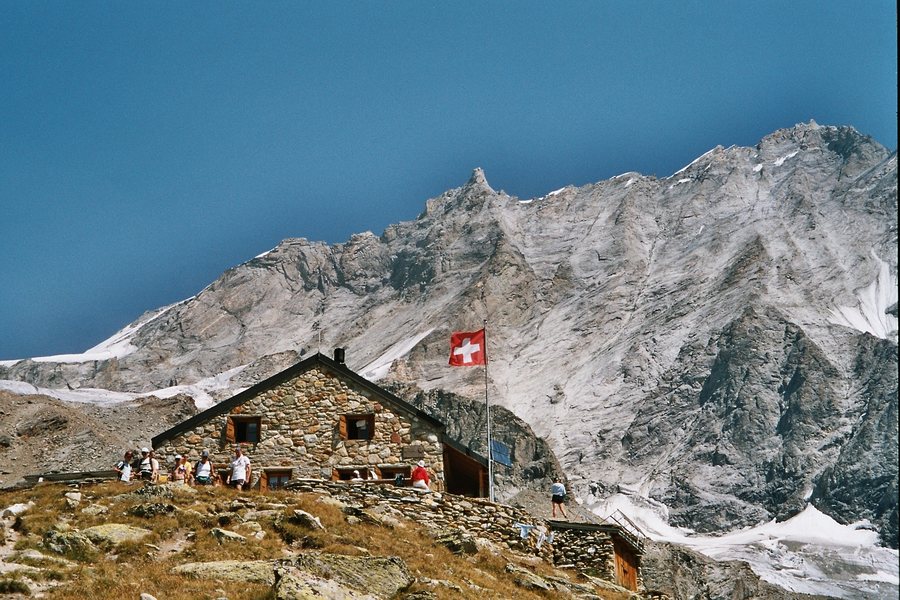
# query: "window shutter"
(263, 481)
(370, 427)
(229, 430)
(342, 427)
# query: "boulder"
(293, 584)
(68, 542)
(582, 590)
(458, 542)
(441, 583)
(73, 499)
(94, 510)
(113, 534)
(359, 515)
(31, 556)
(227, 517)
(305, 519)
(223, 535)
(151, 509)
(380, 576)
(528, 580)
(16, 509)
(251, 571)
(154, 491)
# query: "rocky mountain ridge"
(722, 341)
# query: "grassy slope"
(183, 537)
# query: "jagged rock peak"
(478, 180)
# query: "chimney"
(339, 356)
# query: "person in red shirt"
(420, 479)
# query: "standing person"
(205, 473)
(123, 467)
(420, 478)
(558, 496)
(240, 470)
(154, 464)
(148, 466)
(182, 471)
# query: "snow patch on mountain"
(780, 161)
(80, 395)
(809, 553)
(870, 315)
(695, 161)
(202, 391)
(379, 367)
(117, 346)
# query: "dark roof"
(448, 441)
(317, 359)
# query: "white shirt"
(239, 467)
(126, 472)
(203, 469)
(558, 489)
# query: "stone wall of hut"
(301, 431)
(585, 549)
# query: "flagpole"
(487, 404)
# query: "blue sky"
(147, 147)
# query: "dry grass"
(137, 567)
(110, 580)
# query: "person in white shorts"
(240, 470)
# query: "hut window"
(391, 472)
(243, 430)
(357, 427)
(273, 479)
(351, 473)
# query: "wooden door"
(626, 566)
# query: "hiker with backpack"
(123, 467)
(204, 472)
(148, 466)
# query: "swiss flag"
(467, 348)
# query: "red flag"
(467, 348)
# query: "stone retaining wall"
(585, 548)
(448, 513)
(300, 430)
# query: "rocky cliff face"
(534, 465)
(723, 340)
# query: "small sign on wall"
(413, 452)
(501, 453)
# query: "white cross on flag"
(467, 348)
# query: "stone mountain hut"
(318, 419)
